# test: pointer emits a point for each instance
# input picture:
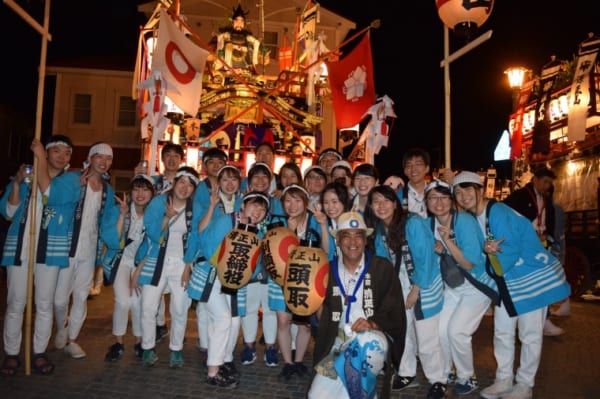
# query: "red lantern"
(306, 277)
(464, 16)
(277, 244)
(238, 256)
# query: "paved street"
(569, 369)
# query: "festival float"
(556, 123)
(227, 87)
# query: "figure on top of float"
(236, 46)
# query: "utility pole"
(445, 63)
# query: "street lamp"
(516, 77)
(464, 18)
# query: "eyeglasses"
(438, 198)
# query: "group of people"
(63, 240)
(413, 268)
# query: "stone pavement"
(569, 368)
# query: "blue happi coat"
(426, 274)
(532, 277)
(58, 207)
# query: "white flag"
(579, 97)
(181, 62)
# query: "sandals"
(41, 365)
(10, 365)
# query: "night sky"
(407, 50)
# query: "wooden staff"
(44, 31)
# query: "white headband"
(263, 165)
(188, 175)
(55, 143)
(145, 177)
(224, 168)
(257, 195)
(285, 190)
(100, 149)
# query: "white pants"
(73, 283)
(202, 320)
(222, 327)
(430, 349)
(126, 299)
(464, 307)
(257, 295)
(44, 278)
(531, 334)
(408, 363)
(178, 308)
(161, 320)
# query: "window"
(82, 109)
(127, 112)
(271, 44)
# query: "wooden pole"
(32, 204)
(23, 14)
(294, 65)
(261, 6)
(34, 189)
(447, 114)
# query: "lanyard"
(539, 211)
(349, 299)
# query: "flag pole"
(34, 190)
(295, 45)
(44, 31)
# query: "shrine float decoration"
(217, 92)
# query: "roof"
(278, 12)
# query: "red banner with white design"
(352, 84)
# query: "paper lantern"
(306, 277)
(238, 256)
(464, 16)
(276, 245)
